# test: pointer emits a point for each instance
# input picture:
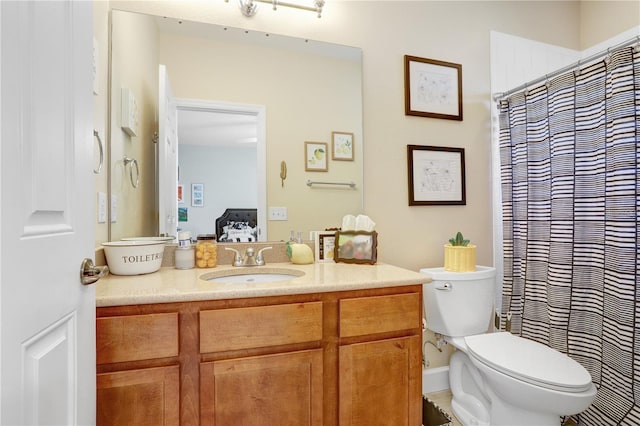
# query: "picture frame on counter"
(432, 88)
(356, 247)
(436, 175)
(342, 146)
(324, 245)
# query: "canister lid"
(205, 237)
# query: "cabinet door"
(149, 396)
(380, 383)
(279, 390)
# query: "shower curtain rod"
(573, 66)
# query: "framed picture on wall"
(436, 175)
(432, 88)
(315, 157)
(180, 193)
(342, 146)
(197, 194)
(183, 214)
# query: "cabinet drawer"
(136, 337)
(379, 314)
(260, 326)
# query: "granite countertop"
(174, 285)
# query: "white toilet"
(498, 378)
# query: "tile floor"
(443, 400)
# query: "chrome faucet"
(237, 260)
(260, 259)
(249, 258)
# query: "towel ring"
(96, 135)
(133, 162)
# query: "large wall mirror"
(244, 103)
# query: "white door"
(167, 157)
(47, 317)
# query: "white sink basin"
(251, 275)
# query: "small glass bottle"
(206, 251)
(185, 253)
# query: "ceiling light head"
(248, 7)
(319, 4)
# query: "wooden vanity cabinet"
(380, 363)
(341, 358)
(138, 380)
(266, 365)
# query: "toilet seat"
(529, 361)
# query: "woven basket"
(460, 258)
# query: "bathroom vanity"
(340, 345)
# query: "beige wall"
(454, 31)
(135, 57)
(601, 20)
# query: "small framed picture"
(315, 157)
(324, 244)
(356, 247)
(180, 194)
(432, 88)
(342, 146)
(183, 214)
(436, 175)
(197, 194)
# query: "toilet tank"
(459, 303)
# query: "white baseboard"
(435, 379)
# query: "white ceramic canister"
(185, 252)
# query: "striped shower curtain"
(570, 172)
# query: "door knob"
(90, 273)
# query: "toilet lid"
(529, 361)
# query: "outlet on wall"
(277, 213)
(114, 208)
(102, 207)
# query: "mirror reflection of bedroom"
(217, 151)
(237, 226)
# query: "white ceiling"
(201, 127)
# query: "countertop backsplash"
(277, 254)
